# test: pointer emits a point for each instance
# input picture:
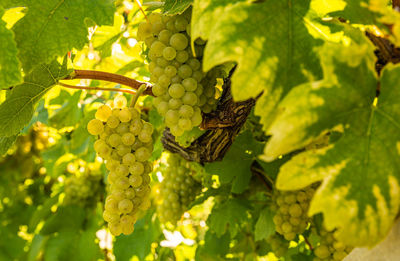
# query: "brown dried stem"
(96, 88)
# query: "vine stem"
(138, 93)
(97, 88)
(110, 77)
(308, 243)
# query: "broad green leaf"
(17, 110)
(58, 247)
(274, 52)
(35, 247)
(173, 7)
(70, 112)
(360, 190)
(358, 12)
(228, 215)
(52, 28)
(68, 218)
(6, 143)
(10, 72)
(214, 246)
(265, 225)
(205, 13)
(139, 242)
(235, 166)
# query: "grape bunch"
(125, 142)
(330, 249)
(181, 94)
(291, 211)
(83, 185)
(279, 245)
(178, 189)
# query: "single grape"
(182, 56)
(176, 90)
(95, 127)
(103, 112)
(169, 53)
(185, 71)
(178, 41)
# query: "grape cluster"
(279, 245)
(83, 185)
(291, 211)
(125, 142)
(176, 73)
(178, 189)
(330, 248)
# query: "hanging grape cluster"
(291, 211)
(125, 142)
(181, 88)
(329, 248)
(83, 184)
(178, 189)
(279, 245)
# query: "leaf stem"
(138, 93)
(110, 77)
(97, 88)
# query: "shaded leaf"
(173, 7)
(265, 225)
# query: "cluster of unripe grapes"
(83, 184)
(291, 211)
(181, 94)
(329, 248)
(279, 245)
(178, 189)
(125, 143)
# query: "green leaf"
(139, 242)
(173, 7)
(52, 28)
(213, 247)
(359, 194)
(17, 110)
(10, 72)
(265, 225)
(358, 12)
(274, 52)
(70, 112)
(205, 13)
(58, 247)
(6, 143)
(67, 217)
(235, 166)
(232, 212)
(35, 247)
(41, 212)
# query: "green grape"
(95, 127)
(279, 245)
(172, 117)
(157, 47)
(329, 247)
(176, 79)
(103, 112)
(136, 168)
(157, 27)
(170, 71)
(124, 115)
(181, 23)
(176, 130)
(190, 84)
(149, 41)
(186, 111)
(144, 31)
(182, 56)
(196, 119)
(164, 82)
(152, 65)
(122, 170)
(194, 64)
(174, 103)
(159, 89)
(185, 71)
(128, 159)
(135, 181)
(178, 41)
(185, 124)
(120, 101)
(190, 99)
(113, 121)
(145, 136)
(122, 128)
(164, 36)
(158, 71)
(128, 138)
(162, 62)
(136, 126)
(197, 75)
(171, 25)
(162, 108)
(142, 154)
(176, 90)
(169, 53)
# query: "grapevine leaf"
(58, 247)
(10, 72)
(235, 167)
(359, 194)
(231, 212)
(52, 28)
(358, 11)
(173, 7)
(68, 218)
(42, 212)
(265, 225)
(17, 110)
(205, 13)
(35, 247)
(139, 242)
(274, 52)
(213, 247)
(6, 143)
(70, 112)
